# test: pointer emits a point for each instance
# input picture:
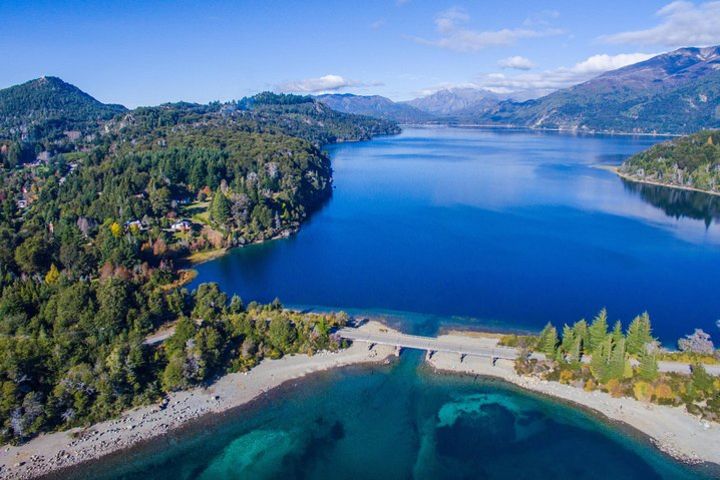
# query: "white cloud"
(378, 24)
(326, 83)
(535, 84)
(454, 36)
(682, 24)
(603, 62)
(543, 17)
(516, 63)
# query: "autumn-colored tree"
(52, 275)
(115, 229)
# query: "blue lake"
(493, 229)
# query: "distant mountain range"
(439, 107)
(48, 106)
(456, 101)
(375, 106)
(676, 92)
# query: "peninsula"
(690, 163)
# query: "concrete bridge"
(473, 346)
(476, 347)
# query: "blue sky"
(144, 53)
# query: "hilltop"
(47, 107)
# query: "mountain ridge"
(674, 92)
(48, 106)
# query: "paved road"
(470, 346)
(678, 367)
(474, 346)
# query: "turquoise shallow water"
(499, 228)
(397, 422)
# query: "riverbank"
(672, 429)
(54, 451)
(630, 178)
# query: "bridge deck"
(470, 346)
(473, 346)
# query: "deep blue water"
(397, 422)
(493, 228)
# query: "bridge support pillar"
(371, 346)
(462, 357)
(494, 361)
(429, 354)
(398, 350)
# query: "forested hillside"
(92, 234)
(47, 107)
(692, 161)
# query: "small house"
(181, 226)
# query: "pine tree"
(575, 352)
(617, 333)
(597, 331)
(648, 368)
(618, 361)
(639, 334)
(548, 340)
(220, 208)
(568, 340)
(601, 359)
(582, 335)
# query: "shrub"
(643, 391)
(664, 394)
(566, 376)
(614, 387)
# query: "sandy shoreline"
(672, 429)
(54, 451)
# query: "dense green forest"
(73, 352)
(46, 108)
(691, 161)
(92, 234)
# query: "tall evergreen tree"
(617, 333)
(648, 367)
(639, 334)
(582, 336)
(601, 359)
(568, 340)
(618, 361)
(548, 340)
(597, 331)
(220, 208)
